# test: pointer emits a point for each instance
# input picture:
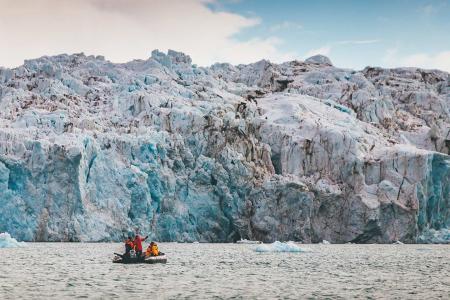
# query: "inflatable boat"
(160, 259)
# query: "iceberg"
(6, 241)
(279, 247)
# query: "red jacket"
(138, 243)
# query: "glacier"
(302, 151)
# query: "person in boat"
(152, 250)
(138, 244)
(128, 247)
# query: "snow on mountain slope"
(298, 151)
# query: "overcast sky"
(353, 34)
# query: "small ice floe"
(325, 242)
(6, 241)
(279, 247)
(397, 243)
(244, 241)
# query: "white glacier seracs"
(300, 151)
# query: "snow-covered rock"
(298, 151)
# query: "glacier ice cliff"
(301, 151)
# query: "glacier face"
(304, 151)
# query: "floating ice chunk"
(244, 241)
(279, 247)
(6, 241)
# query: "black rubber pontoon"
(160, 259)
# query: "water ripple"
(227, 271)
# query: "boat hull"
(161, 259)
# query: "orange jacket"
(152, 250)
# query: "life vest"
(154, 250)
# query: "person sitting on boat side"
(138, 244)
(128, 246)
(152, 250)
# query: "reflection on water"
(203, 271)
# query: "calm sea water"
(223, 271)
